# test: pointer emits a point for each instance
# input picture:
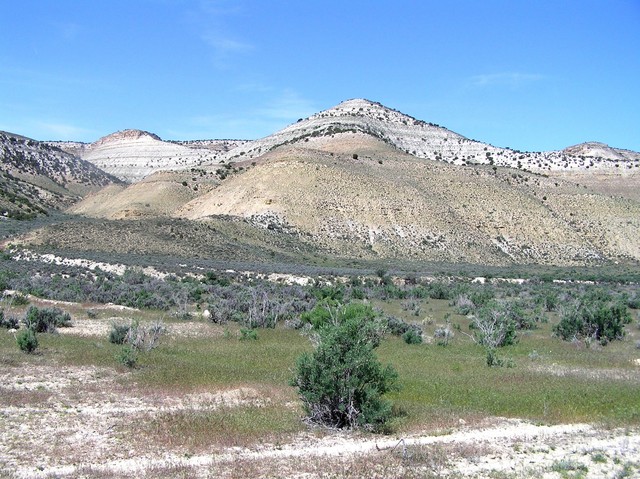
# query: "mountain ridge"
(133, 154)
(361, 181)
(421, 139)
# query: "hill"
(363, 182)
(428, 141)
(36, 177)
(131, 155)
(387, 204)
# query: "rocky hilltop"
(427, 141)
(597, 150)
(131, 155)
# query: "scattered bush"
(463, 304)
(397, 326)
(342, 383)
(565, 465)
(598, 319)
(27, 340)
(145, 338)
(46, 320)
(443, 336)
(140, 338)
(19, 299)
(494, 327)
(8, 322)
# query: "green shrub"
(598, 319)
(46, 320)
(494, 361)
(438, 291)
(27, 340)
(127, 356)
(247, 334)
(548, 299)
(412, 336)
(342, 383)
(119, 333)
(522, 319)
(634, 302)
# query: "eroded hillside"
(36, 177)
(131, 155)
(378, 202)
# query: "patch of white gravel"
(59, 418)
(510, 447)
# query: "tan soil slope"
(157, 195)
(389, 204)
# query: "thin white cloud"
(213, 20)
(283, 108)
(289, 106)
(225, 46)
(68, 31)
(61, 131)
(510, 79)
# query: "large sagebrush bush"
(342, 383)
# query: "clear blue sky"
(532, 75)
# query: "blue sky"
(531, 75)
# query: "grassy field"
(551, 380)
(204, 391)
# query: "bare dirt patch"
(72, 421)
(62, 418)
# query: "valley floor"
(77, 422)
(61, 420)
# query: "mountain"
(389, 204)
(131, 155)
(36, 177)
(425, 140)
(363, 182)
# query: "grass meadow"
(549, 381)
